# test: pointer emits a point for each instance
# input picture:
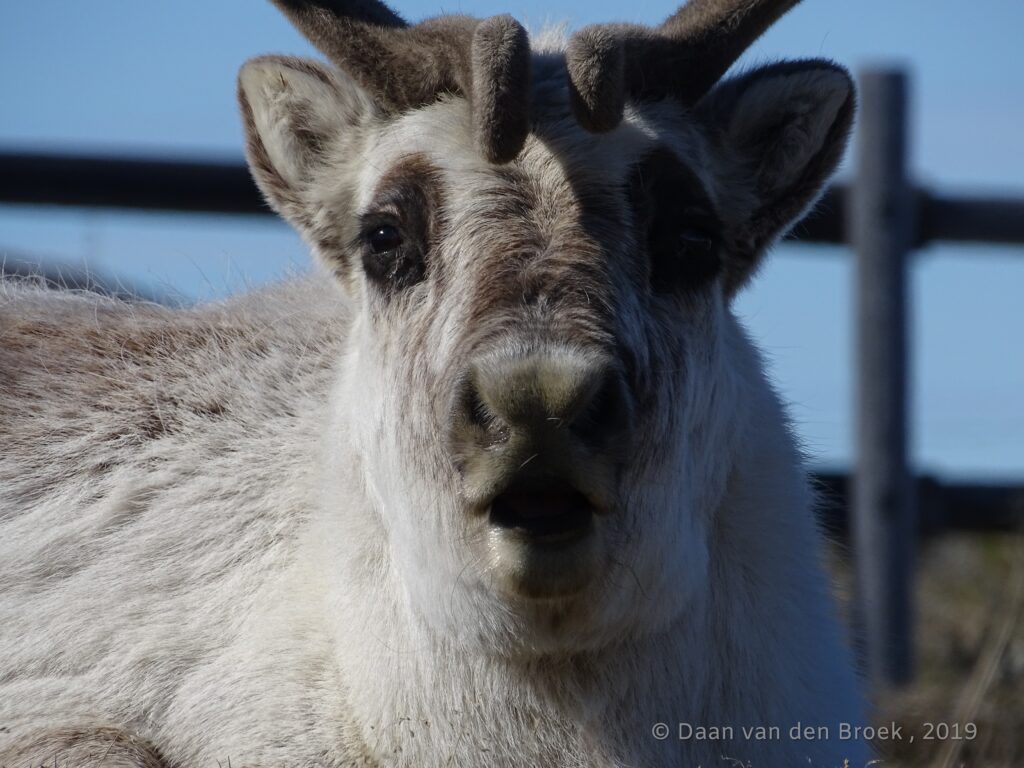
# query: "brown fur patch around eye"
(409, 196)
(413, 169)
(677, 222)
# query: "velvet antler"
(487, 61)
(683, 57)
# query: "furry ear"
(778, 133)
(299, 118)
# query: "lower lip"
(550, 567)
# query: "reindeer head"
(542, 385)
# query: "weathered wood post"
(882, 229)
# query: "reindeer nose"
(550, 395)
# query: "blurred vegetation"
(969, 657)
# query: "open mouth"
(553, 513)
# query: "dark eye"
(684, 254)
(384, 238)
(694, 240)
(390, 259)
(683, 231)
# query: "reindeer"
(508, 488)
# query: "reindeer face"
(532, 340)
(539, 378)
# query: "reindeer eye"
(384, 238)
(390, 259)
(684, 254)
(397, 229)
(683, 231)
(696, 240)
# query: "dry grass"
(969, 655)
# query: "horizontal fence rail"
(942, 506)
(226, 187)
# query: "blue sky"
(159, 78)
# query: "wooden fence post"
(882, 231)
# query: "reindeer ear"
(778, 134)
(298, 115)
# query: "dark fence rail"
(129, 183)
(942, 506)
(150, 184)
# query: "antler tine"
(683, 57)
(715, 34)
(596, 61)
(405, 66)
(307, 16)
(500, 91)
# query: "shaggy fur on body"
(257, 531)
